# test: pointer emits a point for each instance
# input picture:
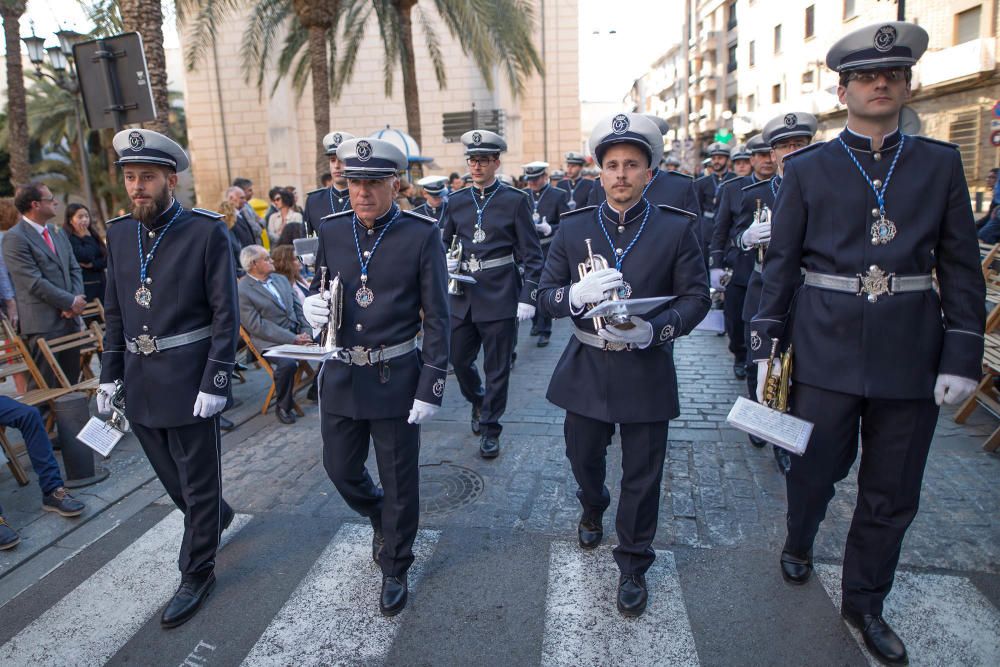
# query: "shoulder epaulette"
(578, 209)
(674, 172)
(312, 192)
(674, 209)
(804, 149)
(754, 185)
(334, 215)
(464, 187)
(730, 180)
(701, 178)
(421, 216)
(208, 214)
(120, 217)
(932, 140)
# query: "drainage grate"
(446, 487)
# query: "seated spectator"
(285, 224)
(991, 212)
(272, 316)
(287, 263)
(90, 252)
(55, 497)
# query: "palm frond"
(356, 14)
(294, 56)
(433, 43)
(388, 26)
(105, 15)
(267, 19)
(205, 15)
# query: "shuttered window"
(964, 131)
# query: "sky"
(48, 16)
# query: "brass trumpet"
(455, 252)
(595, 262)
(762, 214)
(336, 289)
(776, 387)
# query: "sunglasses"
(869, 76)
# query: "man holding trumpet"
(617, 372)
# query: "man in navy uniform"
(724, 254)
(741, 160)
(334, 199)
(576, 186)
(623, 375)
(868, 216)
(665, 187)
(707, 188)
(434, 188)
(493, 222)
(547, 205)
(172, 325)
(380, 387)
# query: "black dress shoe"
(543, 340)
(590, 533)
(313, 393)
(225, 424)
(513, 360)
(880, 639)
(782, 459)
(227, 519)
(477, 410)
(740, 371)
(796, 569)
(394, 593)
(240, 367)
(757, 442)
(632, 594)
(188, 599)
(534, 330)
(489, 447)
(377, 543)
(285, 416)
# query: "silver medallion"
(143, 296)
(536, 218)
(625, 291)
(883, 231)
(364, 296)
(572, 204)
(479, 236)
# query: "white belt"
(475, 265)
(596, 341)
(873, 284)
(147, 345)
(365, 356)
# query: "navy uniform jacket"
(665, 187)
(323, 202)
(435, 213)
(707, 189)
(896, 347)
(764, 191)
(578, 190)
(509, 230)
(194, 285)
(734, 210)
(407, 274)
(637, 385)
(552, 203)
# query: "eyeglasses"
(869, 76)
(479, 161)
(49, 198)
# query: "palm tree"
(146, 18)
(17, 117)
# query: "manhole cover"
(446, 487)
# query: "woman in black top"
(90, 251)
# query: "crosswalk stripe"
(93, 621)
(583, 625)
(942, 619)
(332, 617)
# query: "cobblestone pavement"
(718, 491)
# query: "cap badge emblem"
(135, 141)
(364, 150)
(885, 38)
(477, 138)
(620, 124)
(338, 138)
(790, 120)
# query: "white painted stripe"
(333, 618)
(99, 616)
(584, 627)
(942, 619)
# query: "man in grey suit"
(272, 316)
(48, 283)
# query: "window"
(964, 131)
(751, 102)
(753, 57)
(731, 66)
(777, 38)
(807, 77)
(967, 25)
(731, 23)
(731, 104)
(775, 93)
(810, 21)
(850, 11)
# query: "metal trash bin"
(72, 411)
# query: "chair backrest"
(15, 358)
(245, 335)
(94, 309)
(78, 340)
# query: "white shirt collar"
(37, 227)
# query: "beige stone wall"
(270, 140)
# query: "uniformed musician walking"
(334, 199)
(576, 186)
(493, 223)
(707, 190)
(435, 194)
(623, 375)
(868, 216)
(172, 323)
(548, 203)
(381, 387)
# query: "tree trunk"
(320, 74)
(411, 94)
(17, 115)
(146, 18)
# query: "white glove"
(641, 335)
(594, 287)
(453, 264)
(716, 277)
(952, 389)
(544, 228)
(421, 412)
(762, 377)
(525, 312)
(757, 233)
(104, 393)
(208, 405)
(316, 309)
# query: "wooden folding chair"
(86, 341)
(304, 374)
(985, 393)
(93, 310)
(87, 353)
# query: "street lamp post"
(61, 60)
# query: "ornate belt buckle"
(146, 344)
(615, 347)
(875, 283)
(359, 356)
(475, 265)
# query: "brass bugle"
(455, 252)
